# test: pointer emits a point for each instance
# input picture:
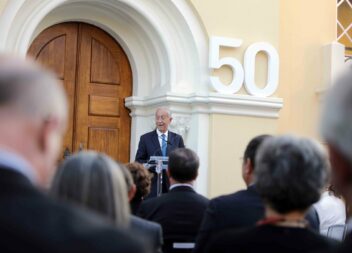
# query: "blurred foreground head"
(290, 173)
(336, 129)
(33, 114)
(96, 182)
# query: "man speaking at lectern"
(159, 142)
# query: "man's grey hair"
(28, 89)
(290, 173)
(167, 110)
(336, 120)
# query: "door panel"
(104, 139)
(103, 81)
(56, 49)
(97, 77)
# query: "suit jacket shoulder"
(148, 229)
(176, 140)
(173, 197)
(149, 134)
(240, 209)
(31, 221)
(179, 212)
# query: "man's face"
(162, 120)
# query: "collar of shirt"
(15, 162)
(178, 185)
(159, 136)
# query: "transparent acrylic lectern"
(159, 163)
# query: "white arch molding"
(168, 51)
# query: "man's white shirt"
(160, 139)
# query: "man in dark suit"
(160, 142)
(179, 211)
(240, 209)
(33, 114)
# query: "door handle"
(67, 153)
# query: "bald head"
(33, 114)
(27, 90)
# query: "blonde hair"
(93, 180)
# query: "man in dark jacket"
(180, 211)
(159, 142)
(240, 209)
(33, 115)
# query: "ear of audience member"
(142, 180)
(290, 174)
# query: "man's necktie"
(163, 144)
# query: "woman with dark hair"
(289, 175)
(142, 180)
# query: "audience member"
(94, 181)
(144, 227)
(239, 209)
(142, 180)
(336, 129)
(180, 211)
(331, 210)
(33, 115)
(290, 173)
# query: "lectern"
(159, 163)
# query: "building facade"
(228, 70)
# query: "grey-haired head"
(163, 119)
(290, 173)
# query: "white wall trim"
(213, 103)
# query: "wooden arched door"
(97, 77)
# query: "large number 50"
(246, 74)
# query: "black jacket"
(237, 210)
(179, 212)
(32, 222)
(148, 229)
(268, 239)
